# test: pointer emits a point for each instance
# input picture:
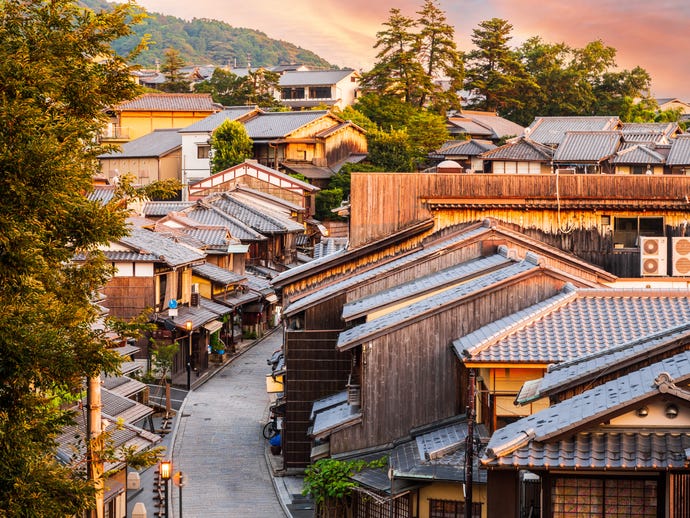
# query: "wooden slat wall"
(314, 370)
(127, 297)
(410, 375)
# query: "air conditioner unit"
(680, 256)
(653, 252)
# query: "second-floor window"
(203, 151)
(292, 93)
(320, 92)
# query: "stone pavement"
(217, 443)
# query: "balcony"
(114, 133)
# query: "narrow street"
(219, 446)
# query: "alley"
(219, 446)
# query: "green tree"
(391, 150)
(397, 71)
(49, 121)
(230, 144)
(439, 56)
(174, 80)
(427, 131)
(494, 71)
(225, 88)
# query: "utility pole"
(469, 446)
(94, 449)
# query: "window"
(320, 92)
(627, 230)
(604, 497)
(452, 509)
(292, 93)
(203, 151)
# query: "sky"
(652, 35)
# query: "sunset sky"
(654, 35)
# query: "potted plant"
(217, 348)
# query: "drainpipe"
(469, 446)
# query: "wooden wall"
(410, 375)
(315, 369)
(127, 297)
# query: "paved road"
(219, 445)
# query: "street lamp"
(165, 472)
(188, 325)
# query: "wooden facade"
(574, 213)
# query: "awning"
(213, 326)
(274, 385)
(271, 297)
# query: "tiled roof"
(217, 274)
(259, 284)
(162, 208)
(211, 237)
(429, 283)
(166, 250)
(102, 193)
(638, 154)
(210, 215)
(471, 127)
(346, 284)
(118, 256)
(123, 385)
(170, 102)
(646, 138)
(562, 375)
(574, 324)
(210, 123)
(124, 408)
(663, 128)
(309, 171)
(545, 439)
(587, 146)
(329, 246)
(551, 130)
(333, 417)
(327, 402)
(472, 147)
(313, 77)
(498, 126)
(264, 221)
(356, 335)
(522, 149)
(258, 198)
(273, 125)
(680, 151)
(158, 143)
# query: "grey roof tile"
(638, 154)
(326, 420)
(313, 77)
(210, 215)
(587, 146)
(156, 144)
(576, 324)
(217, 274)
(273, 125)
(589, 407)
(680, 151)
(551, 130)
(210, 123)
(348, 283)
(162, 208)
(362, 332)
(263, 221)
(521, 149)
(472, 147)
(432, 282)
(170, 102)
(166, 250)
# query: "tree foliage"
(49, 119)
(230, 144)
(229, 89)
(414, 56)
(171, 68)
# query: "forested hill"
(203, 41)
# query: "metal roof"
(680, 151)
(313, 77)
(551, 130)
(574, 324)
(544, 438)
(332, 417)
(156, 144)
(587, 146)
(367, 331)
(170, 102)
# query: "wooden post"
(469, 446)
(94, 442)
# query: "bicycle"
(271, 428)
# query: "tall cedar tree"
(493, 69)
(397, 72)
(440, 59)
(58, 74)
(171, 68)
